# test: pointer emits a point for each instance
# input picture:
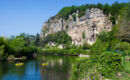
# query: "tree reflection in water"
(58, 68)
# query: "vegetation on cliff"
(60, 37)
(113, 9)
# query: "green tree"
(106, 9)
(124, 24)
(99, 47)
(100, 6)
(37, 40)
(17, 44)
(5, 48)
(60, 37)
(2, 52)
(66, 11)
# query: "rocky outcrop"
(82, 30)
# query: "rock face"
(82, 30)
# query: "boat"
(19, 64)
(44, 64)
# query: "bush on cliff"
(60, 37)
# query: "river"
(58, 68)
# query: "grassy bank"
(57, 51)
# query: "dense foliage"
(4, 48)
(81, 67)
(22, 45)
(113, 9)
(66, 11)
(57, 51)
(106, 65)
(110, 63)
(60, 37)
(124, 24)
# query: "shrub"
(28, 51)
(81, 66)
(57, 51)
(113, 44)
(110, 63)
(99, 47)
(93, 74)
(120, 46)
(11, 56)
(103, 36)
(24, 57)
(86, 46)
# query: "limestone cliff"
(81, 29)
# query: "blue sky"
(17, 16)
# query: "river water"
(58, 68)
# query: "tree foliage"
(21, 45)
(110, 63)
(60, 37)
(66, 11)
(124, 24)
(113, 9)
(5, 48)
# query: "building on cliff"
(91, 24)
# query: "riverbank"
(18, 58)
(66, 52)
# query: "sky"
(28, 16)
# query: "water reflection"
(58, 68)
(3, 69)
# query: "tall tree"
(37, 40)
(106, 9)
(124, 24)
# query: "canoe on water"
(19, 64)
